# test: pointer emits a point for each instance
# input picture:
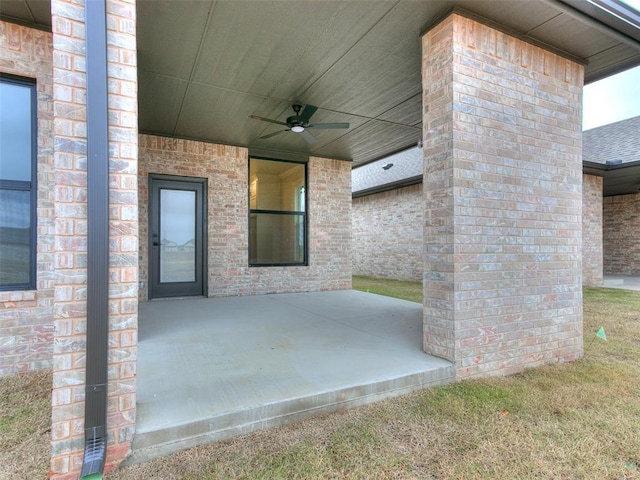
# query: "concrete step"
(166, 440)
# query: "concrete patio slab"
(210, 369)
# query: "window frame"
(22, 185)
(300, 213)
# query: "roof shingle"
(617, 142)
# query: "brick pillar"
(503, 207)
(70, 162)
(592, 269)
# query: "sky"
(614, 98)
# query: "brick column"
(70, 161)
(503, 206)
(592, 269)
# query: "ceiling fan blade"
(274, 134)
(307, 112)
(277, 122)
(329, 125)
(308, 137)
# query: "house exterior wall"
(621, 234)
(387, 234)
(503, 200)
(226, 169)
(491, 334)
(70, 259)
(592, 267)
(26, 316)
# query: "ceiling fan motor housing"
(295, 120)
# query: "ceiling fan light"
(297, 128)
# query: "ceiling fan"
(299, 123)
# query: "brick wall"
(592, 268)
(387, 239)
(621, 234)
(26, 317)
(388, 234)
(226, 170)
(70, 159)
(503, 206)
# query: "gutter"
(600, 169)
(607, 167)
(405, 182)
(95, 406)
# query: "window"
(277, 213)
(17, 183)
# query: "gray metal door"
(176, 237)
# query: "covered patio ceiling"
(206, 66)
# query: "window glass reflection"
(15, 132)
(15, 236)
(276, 239)
(276, 185)
(178, 236)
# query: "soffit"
(621, 181)
(35, 13)
(205, 66)
(616, 179)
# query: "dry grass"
(25, 418)
(575, 421)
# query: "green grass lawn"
(411, 291)
(571, 421)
